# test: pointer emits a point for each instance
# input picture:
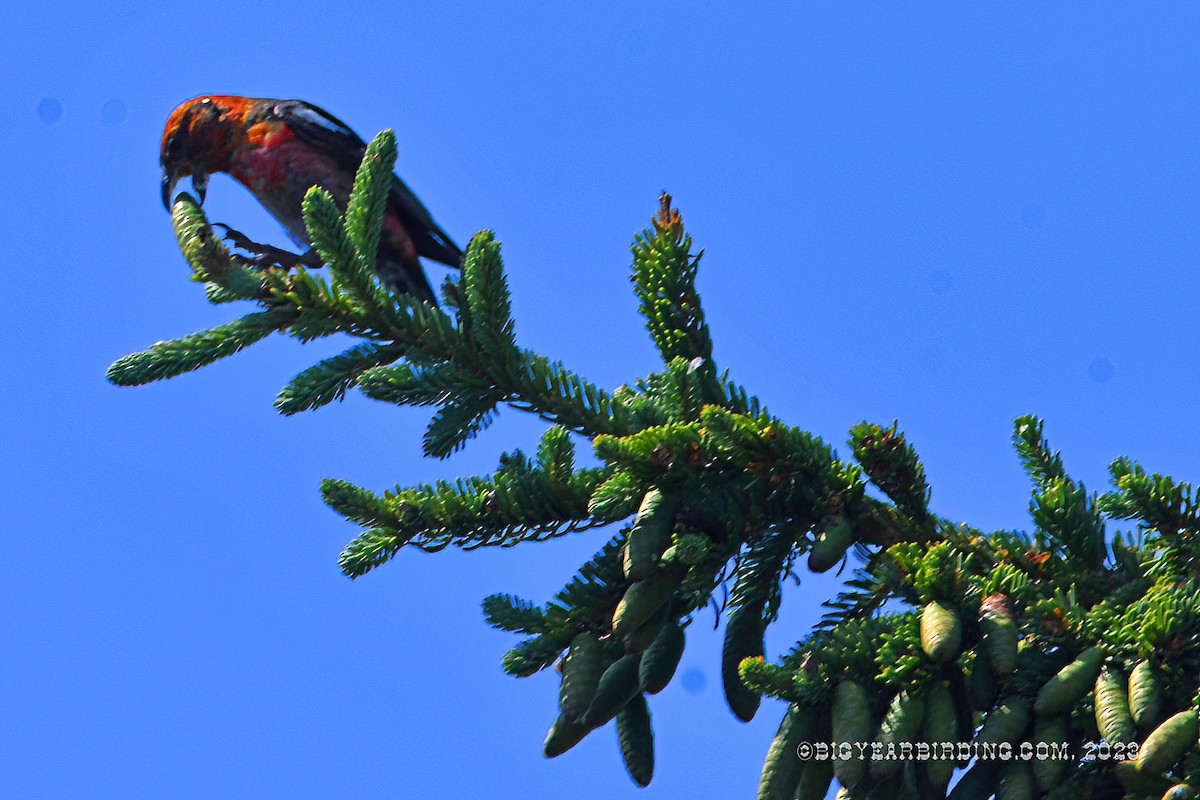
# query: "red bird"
(278, 149)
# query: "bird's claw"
(265, 256)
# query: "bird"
(278, 149)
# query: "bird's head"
(198, 139)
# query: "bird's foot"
(265, 256)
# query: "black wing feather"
(325, 131)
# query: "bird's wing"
(431, 241)
(322, 129)
(333, 137)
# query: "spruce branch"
(487, 313)
(892, 465)
(508, 613)
(329, 380)
(941, 632)
(521, 501)
(1158, 501)
(457, 421)
(368, 198)
(1041, 463)
(664, 278)
(196, 350)
(338, 249)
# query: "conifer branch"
(196, 350)
(664, 277)
(522, 501)
(328, 381)
(1056, 635)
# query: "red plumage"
(278, 149)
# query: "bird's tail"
(436, 245)
(405, 276)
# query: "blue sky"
(941, 214)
